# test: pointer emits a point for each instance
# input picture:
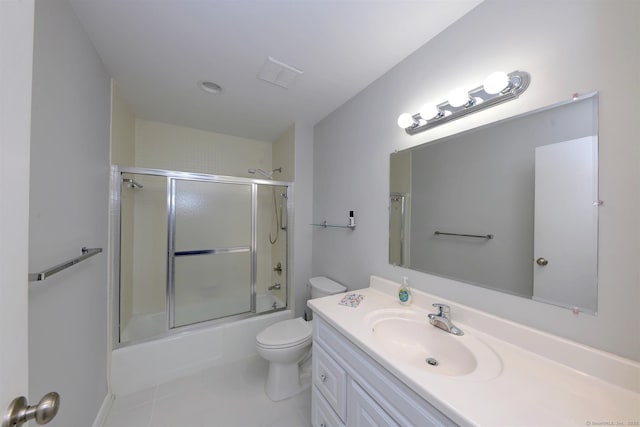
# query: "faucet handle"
(443, 309)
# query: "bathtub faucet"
(276, 286)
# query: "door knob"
(542, 261)
(19, 412)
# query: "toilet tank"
(322, 286)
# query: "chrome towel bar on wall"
(86, 253)
(479, 236)
(324, 224)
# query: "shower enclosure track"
(172, 177)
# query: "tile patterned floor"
(230, 395)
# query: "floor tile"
(229, 395)
(135, 399)
(136, 416)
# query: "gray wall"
(68, 210)
(584, 46)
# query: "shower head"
(265, 174)
(131, 183)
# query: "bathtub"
(141, 366)
(145, 325)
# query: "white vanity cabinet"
(351, 389)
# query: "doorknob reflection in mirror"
(541, 261)
(19, 412)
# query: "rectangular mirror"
(511, 206)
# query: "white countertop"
(531, 390)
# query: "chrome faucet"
(276, 286)
(442, 320)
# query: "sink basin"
(407, 337)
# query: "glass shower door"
(211, 256)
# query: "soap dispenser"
(404, 293)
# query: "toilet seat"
(287, 333)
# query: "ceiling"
(158, 50)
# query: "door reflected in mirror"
(511, 206)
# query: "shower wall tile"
(165, 146)
(284, 158)
(122, 129)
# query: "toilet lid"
(326, 285)
(286, 333)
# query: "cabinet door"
(321, 413)
(331, 380)
(363, 411)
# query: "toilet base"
(285, 381)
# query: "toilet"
(287, 346)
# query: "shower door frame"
(171, 177)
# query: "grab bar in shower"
(86, 253)
(479, 236)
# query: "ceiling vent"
(278, 73)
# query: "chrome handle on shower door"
(283, 197)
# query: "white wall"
(68, 210)
(16, 65)
(123, 154)
(301, 250)
(568, 47)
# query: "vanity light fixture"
(430, 111)
(460, 98)
(405, 120)
(498, 87)
(496, 82)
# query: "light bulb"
(405, 120)
(496, 82)
(429, 111)
(459, 97)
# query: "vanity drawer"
(331, 380)
(364, 411)
(321, 413)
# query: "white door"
(566, 223)
(16, 58)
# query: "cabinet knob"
(323, 377)
(323, 425)
(541, 261)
